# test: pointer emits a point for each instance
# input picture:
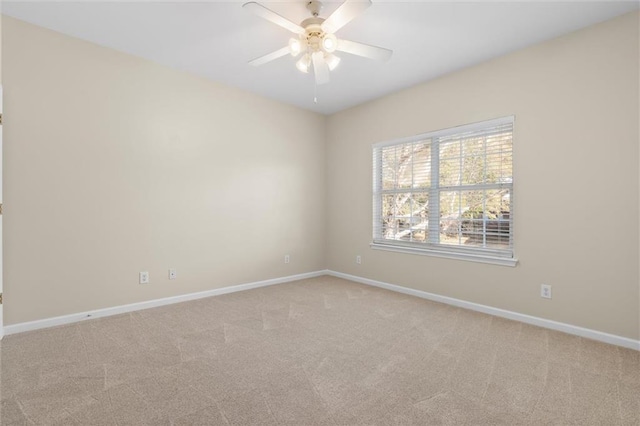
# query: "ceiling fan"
(316, 40)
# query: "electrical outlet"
(358, 259)
(173, 274)
(144, 278)
(545, 291)
(286, 258)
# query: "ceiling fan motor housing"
(314, 7)
(313, 33)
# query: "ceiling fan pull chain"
(315, 91)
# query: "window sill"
(470, 257)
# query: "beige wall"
(115, 165)
(576, 136)
(0, 45)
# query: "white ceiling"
(216, 39)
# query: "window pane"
(422, 164)
(420, 217)
(396, 208)
(499, 159)
(405, 216)
(406, 166)
(475, 218)
(472, 170)
(404, 155)
(476, 160)
(450, 148)
(450, 172)
(499, 224)
(450, 217)
(389, 166)
(389, 223)
(473, 146)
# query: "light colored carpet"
(319, 351)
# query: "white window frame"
(433, 248)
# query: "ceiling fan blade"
(272, 16)
(344, 14)
(320, 68)
(364, 50)
(270, 57)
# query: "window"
(447, 193)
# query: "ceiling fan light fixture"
(329, 43)
(332, 61)
(304, 63)
(295, 47)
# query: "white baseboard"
(106, 312)
(528, 319)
